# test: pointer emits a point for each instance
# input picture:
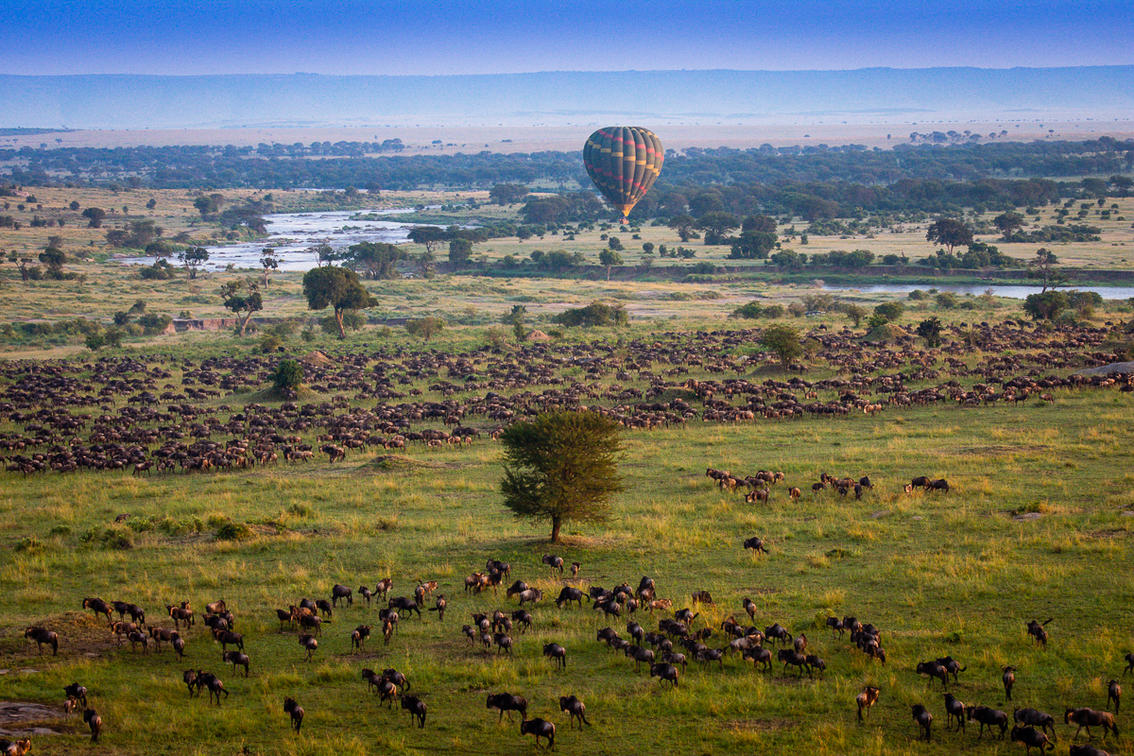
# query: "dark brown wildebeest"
(664, 671)
(790, 656)
(954, 710)
(295, 711)
(933, 669)
(576, 709)
(1009, 679)
(237, 658)
(1087, 750)
(557, 654)
(416, 708)
(76, 692)
(1035, 718)
(94, 722)
(506, 702)
(1129, 663)
(1113, 693)
(1032, 738)
(358, 636)
(756, 544)
(41, 636)
(309, 643)
(341, 592)
(554, 562)
(1037, 631)
(866, 699)
(98, 606)
(569, 594)
(439, 605)
(938, 485)
(989, 718)
(759, 655)
(922, 718)
(541, 728)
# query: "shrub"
(890, 311)
(288, 375)
(594, 314)
(233, 531)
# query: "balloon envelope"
(623, 161)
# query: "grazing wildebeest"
(1035, 718)
(506, 702)
(569, 594)
(989, 718)
(933, 669)
(756, 544)
(295, 711)
(541, 728)
(554, 562)
(664, 671)
(922, 718)
(1032, 738)
(792, 657)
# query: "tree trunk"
(555, 523)
(607, 272)
(244, 323)
(339, 320)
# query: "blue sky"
(482, 36)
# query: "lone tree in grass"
(562, 466)
(244, 299)
(782, 341)
(950, 232)
(288, 377)
(335, 287)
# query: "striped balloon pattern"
(624, 162)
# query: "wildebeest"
(1087, 750)
(954, 710)
(664, 671)
(790, 656)
(989, 718)
(554, 562)
(236, 658)
(341, 592)
(41, 636)
(1113, 693)
(541, 728)
(76, 692)
(1129, 663)
(1088, 718)
(556, 653)
(1035, 718)
(310, 643)
(416, 708)
(506, 702)
(922, 718)
(98, 606)
(1037, 631)
(94, 722)
(866, 699)
(575, 708)
(1009, 679)
(1032, 738)
(358, 636)
(933, 669)
(756, 544)
(569, 594)
(295, 711)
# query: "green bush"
(233, 531)
(594, 314)
(288, 376)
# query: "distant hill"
(130, 101)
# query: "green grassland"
(950, 574)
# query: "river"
(1011, 291)
(292, 235)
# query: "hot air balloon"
(623, 161)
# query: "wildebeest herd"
(158, 414)
(677, 638)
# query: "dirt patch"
(23, 718)
(1107, 533)
(79, 635)
(1000, 450)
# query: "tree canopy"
(782, 341)
(243, 298)
(562, 466)
(335, 287)
(950, 232)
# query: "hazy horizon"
(378, 37)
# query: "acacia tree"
(930, 330)
(1008, 223)
(683, 225)
(1043, 266)
(430, 236)
(244, 299)
(609, 258)
(950, 232)
(338, 288)
(193, 258)
(562, 466)
(269, 262)
(782, 341)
